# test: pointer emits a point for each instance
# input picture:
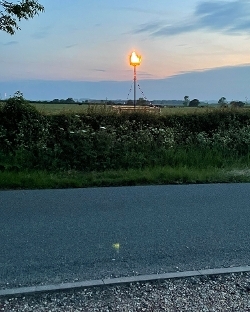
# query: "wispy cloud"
(223, 16)
(10, 43)
(150, 27)
(71, 46)
(40, 35)
(145, 75)
(142, 10)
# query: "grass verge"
(147, 176)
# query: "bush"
(21, 125)
(194, 103)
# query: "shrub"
(21, 125)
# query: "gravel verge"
(225, 292)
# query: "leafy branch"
(12, 13)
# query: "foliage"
(186, 100)
(11, 13)
(222, 102)
(194, 103)
(157, 175)
(130, 102)
(62, 101)
(23, 127)
(141, 102)
(99, 139)
(237, 104)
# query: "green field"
(53, 109)
(60, 108)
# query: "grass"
(147, 176)
(55, 109)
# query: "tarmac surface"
(71, 235)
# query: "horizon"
(184, 45)
(209, 85)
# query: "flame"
(135, 59)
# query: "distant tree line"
(222, 102)
(62, 101)
(192, 103)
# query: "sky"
(81, 49)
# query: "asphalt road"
(54, 236)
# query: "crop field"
(60, 108)
(53, 109)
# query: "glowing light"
(135, 59)
(116, 246)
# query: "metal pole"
(134, 86)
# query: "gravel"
(227, 292)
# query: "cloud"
(99, 70)
(149, 27)
(230, 82)
(10, 43)
(133, 9)
(40, 35)
(71, 46)
(221, 15)
(211, 84)
(145, 75)
(174, 30)
(229, 17)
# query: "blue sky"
(80, 49)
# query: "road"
(54, 236)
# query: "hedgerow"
(102, 140)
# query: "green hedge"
(101, 140)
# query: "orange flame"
(135, 59)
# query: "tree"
(130, 102)
(110, 103)
(237, 104)
(141, 101)
(12, 13)
(70, 100)
(55, 101)
(186, 100)
(222, 102)
(194, 103)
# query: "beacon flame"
(135, 60)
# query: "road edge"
(116, 281)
